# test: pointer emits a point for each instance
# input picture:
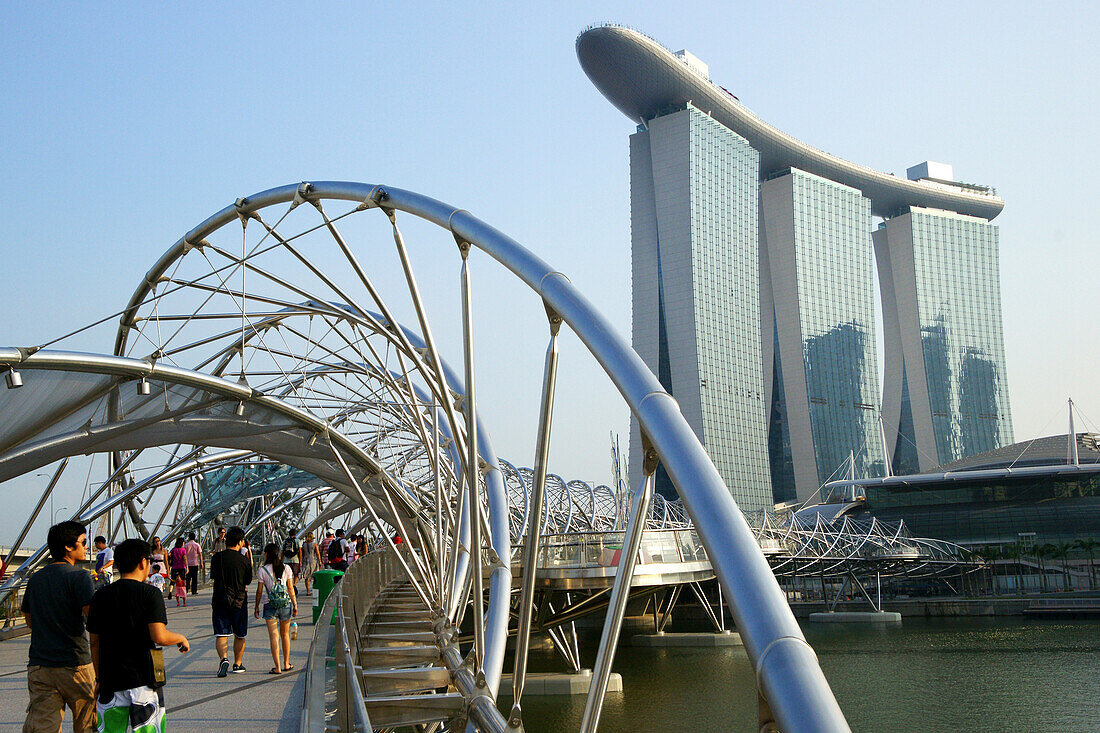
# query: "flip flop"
(288, 667)
(274, 670)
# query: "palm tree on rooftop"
(1089, 545)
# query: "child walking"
(181, 590)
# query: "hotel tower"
(753, 258)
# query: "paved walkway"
(196, 698)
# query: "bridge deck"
(196, 699)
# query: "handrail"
(352, 600)
(313, 703)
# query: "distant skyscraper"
(946, 393)
(816, 240)
(693, 200)
(753, 279)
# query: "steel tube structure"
(531, 546)
(788, 674)
(616, 607)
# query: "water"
(967, 674)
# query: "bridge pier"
(857, 617)
(560, 683)
(687, 639)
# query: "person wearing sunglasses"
(59, 664)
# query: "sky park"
(281, 367)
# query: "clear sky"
(123, 125)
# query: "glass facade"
(723, 179)
(694, 230)
(1056, 508)
(957, 277)
(822, 231)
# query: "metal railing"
(603, 549)
(351, 599)
(354, 600)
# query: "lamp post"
(54, 514)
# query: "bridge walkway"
(196, 698)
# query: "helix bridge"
(265, 362)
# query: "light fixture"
(312, 440)
(143, 387)
(14, 380)
(240, 409)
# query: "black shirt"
(54, 600)
(121, 613)
(232, 574)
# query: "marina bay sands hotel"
(753, 259)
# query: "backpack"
(336, 550)
(277, 594)
(290, 547)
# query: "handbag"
(159, 677)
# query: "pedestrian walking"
(292, 555)
(126, 623)
(325, 544)
(155, 578)
(275, 590)
(181, 589)
(158, 553)
(195, 562)
(177, 563)
(231, 572)
(337, 552)
(104, 562)
(219, 541)
(311, 559)
(59, 664)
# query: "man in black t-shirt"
(59, 665)
(232, 573)
(126, 621)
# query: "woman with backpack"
(276, 591)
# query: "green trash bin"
(324, 581)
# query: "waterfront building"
(807, 296)
(820, 286)
(695, 276)
(946, 394)
(1038, 492)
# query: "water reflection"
(927, 675)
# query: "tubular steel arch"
(249, 294)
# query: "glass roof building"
(753, 269)
(1030, 491)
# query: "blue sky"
(124, 125)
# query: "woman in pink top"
(177, 561)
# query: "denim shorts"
(228, 621)
(280, 614)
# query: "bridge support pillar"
(706, 639)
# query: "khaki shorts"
(53, 688)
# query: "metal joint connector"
(374, 199)
(301, 195)
(463, 245)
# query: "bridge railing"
(603, 549)
(354, 600)
(339, 642)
